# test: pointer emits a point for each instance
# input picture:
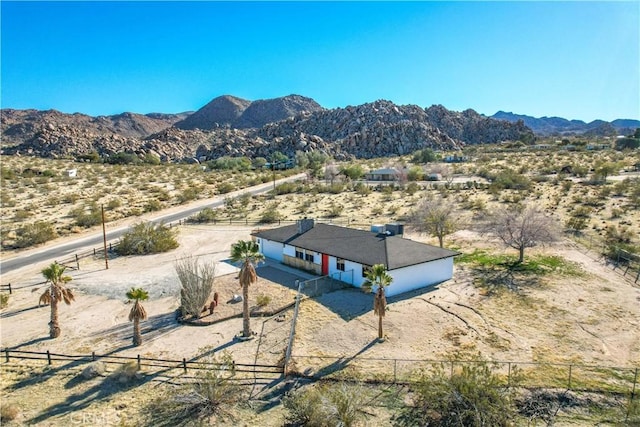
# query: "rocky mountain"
(221, 111)
(18, 126)
(231, 111)
(236, 127)
(546, 126)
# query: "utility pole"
(104, 239)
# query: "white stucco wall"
(271, 249)
(419, 276)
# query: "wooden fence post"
(77, 263)
(184, 364)
(139, 363)
(10, 291)
(509, 375)
(49, 357)
(93, 356)
(6, 356)
(395, 370)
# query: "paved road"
(65, 250)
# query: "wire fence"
(574, 377)
(621, 261)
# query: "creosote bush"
(34, 234)
(471, 396)
(326, 405)
(147, 238)
(211, 396)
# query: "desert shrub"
(335, 209)
(151, 159)
(471, 396)
(4, 300)
(22, 214)
(352, 171)
(196, 284)
(362, 189)
(205, 215)
(8, 412)
(619, 243)
(425, 155)
(123, 159)
(114, 204)
(188, 194)
(147, 238)
(87, 216)
(230, 163)
(34, 234)
(326, 405)
(263, 300)
(412, 188)
(288, 188)
(270, 214)
(226, 187)
(210, 396)
(511, 180)
(153, 205)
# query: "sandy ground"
(590, 319)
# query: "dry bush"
(196, 282)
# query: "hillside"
(545, 126)
(233, 126)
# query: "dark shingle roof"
(364, 247)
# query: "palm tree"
(137, 312)
(246, 253)
(378, 278)
(56, 292)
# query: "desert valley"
(551, 338)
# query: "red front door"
(325, 264)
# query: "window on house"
(308, 257)
(340, 264)
(299, 254)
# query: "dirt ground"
(593, 318)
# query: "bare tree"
(521, 227)
(436, 216)
(331, 172)
(196, 281)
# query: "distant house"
(346, 253)
(597, 147)
(385, 174)
(72, 173)
(455, 158)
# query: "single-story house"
(346, 254)
(385, 174)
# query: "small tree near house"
(377, 279)
(437, 217)
(137, 312)
(521, 227)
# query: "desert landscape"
(580, 312)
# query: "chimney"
(304, 225)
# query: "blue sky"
(578, 60)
